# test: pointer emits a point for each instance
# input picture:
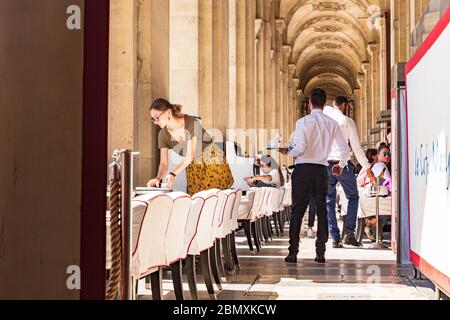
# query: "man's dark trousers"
(309, 180)
(312, 213)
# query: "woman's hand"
(168, 182)
(154, 183)
(371, 176)
(249, 181)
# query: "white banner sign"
(428, 93)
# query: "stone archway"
(341, 46)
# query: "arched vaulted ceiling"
(329, 40)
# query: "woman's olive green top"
(193, 128)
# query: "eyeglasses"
(386, 154)
(155, 120)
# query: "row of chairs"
(262, 211)
(174, 230)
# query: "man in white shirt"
(310, 146)
(348, 177)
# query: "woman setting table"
(204, 162)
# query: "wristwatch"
(172, 174)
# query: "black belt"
(309, 164)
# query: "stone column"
(200, 59)
(288, 116)
(220, 64)
(259, 31)
(300, 97)
(286, 105)
(275, 77)
(291, 94)
(250, 46)
(122, 75)
(286, 55)
(367, 116)
(374, 52)
(240, 33)
(399, 31)
(233, 86)
(273, 86)
(200, 75)
(281, 108)
(260, 73)
(185, 24)
(139, 35)
(206, 84)
(384, 86)
(363, 113)
(351, 112)
(358, 107)
(295, 102)
(152, 82)
(268, 75)
(280, 26)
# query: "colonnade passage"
(246, 69)
(77, 81)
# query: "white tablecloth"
(367, 206)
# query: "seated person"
(380, 167)
(269, 175)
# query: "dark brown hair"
(383, 146)
(318, 97)
(164, 105)
(370, 153)
(341, 100)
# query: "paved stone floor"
(348, 274)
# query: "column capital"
(374, 49)
(296, 82)
(287, 50)
(382, 20)
(365, 66)
(280, 25)
(259, 24)
(273, 54)
(380, 23)
(361, 80)
(292, 68)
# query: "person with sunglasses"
(204, 161)
(381, 168)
